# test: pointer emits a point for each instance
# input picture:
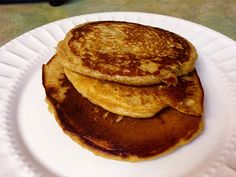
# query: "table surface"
(16, 19)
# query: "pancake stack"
(125, 91)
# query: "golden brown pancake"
(109, 135)
(127, 53)
(141, 102)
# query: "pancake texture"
(111, 135)
(127, 53)
(141, 102)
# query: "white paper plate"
(32, 144)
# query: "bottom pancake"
(110, 135)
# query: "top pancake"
(127, 53)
